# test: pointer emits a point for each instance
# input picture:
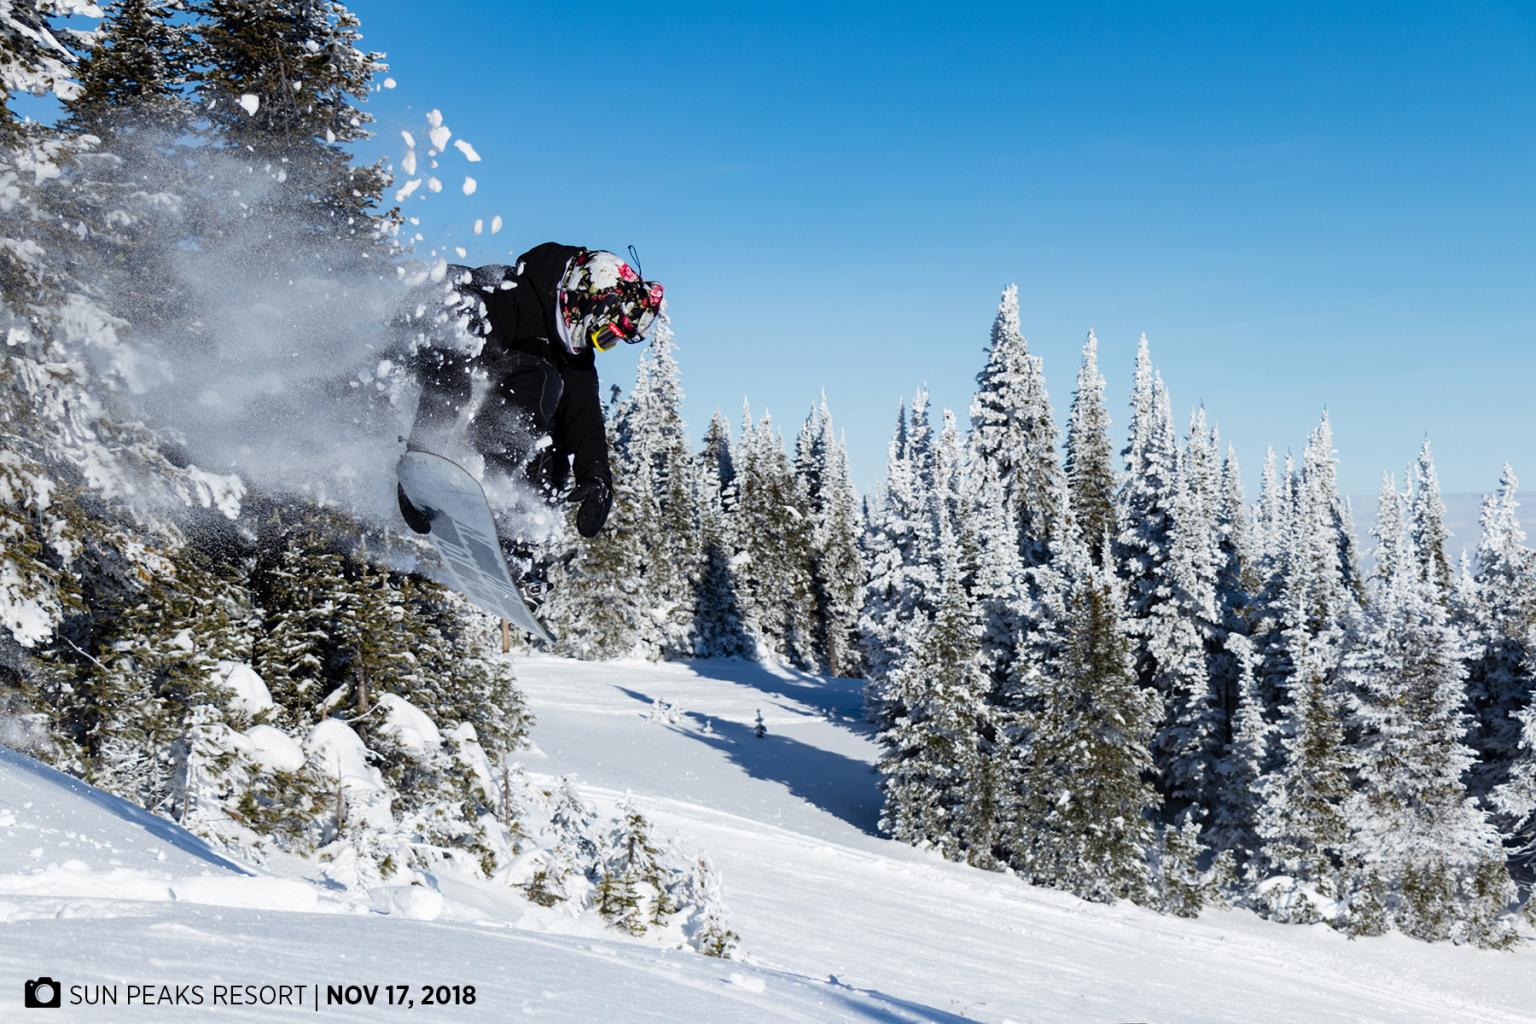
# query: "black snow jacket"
(536, 386)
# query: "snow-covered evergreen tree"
(1303, 822)
(1234, 821)
(135, 75)
(1515, 797)
(707, 929)
(1499, 610)
(1330, 576)
(719, 629)
(282, 79)
(1145, 502)
(999, 587)
(1090, 467)
(902, 582)
(300, 596)
(1179, 627)
(1013, 429)
(1082, 822)
(1416, 835)
(651, 441)
(929, 767)
(154, 691)
(774, 538)
(821, 463)
(1429, 532)
(35, 55)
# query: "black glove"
(595, 496)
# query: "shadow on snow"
(842, 786)
(838, 700)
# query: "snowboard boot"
(530, 572)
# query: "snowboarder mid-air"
(528, 400)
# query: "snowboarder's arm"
(579, 425)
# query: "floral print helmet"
(603, 301)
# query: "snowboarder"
(528, 401)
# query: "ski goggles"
(619, 327)
(609, 335)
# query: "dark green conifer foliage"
(134, 77)
(299, 65)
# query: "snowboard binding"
(419, 520)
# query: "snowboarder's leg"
(511, 426)
(447, 389)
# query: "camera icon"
(43, 994)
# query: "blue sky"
(1303, 206)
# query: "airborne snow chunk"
(251, 102)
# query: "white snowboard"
(464, 534)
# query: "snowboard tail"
(460, 525)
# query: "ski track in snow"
(836, 923)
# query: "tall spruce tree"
(282, 80)
(1429, 532)
(1500, 615)
(1235, 817)
(837, 574)
(1083, 818)
(652, 440)
(774, 538)
(1145, 501)
(133, 80)
(1303, 822)
(1013, 428)
(1090, 467)
(1179, 629)
(930, 763)
(719, 629)
(902, 583)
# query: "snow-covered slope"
(836, 923)
(95, 892)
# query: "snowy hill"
(836, 923)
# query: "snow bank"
(274, 749)
(255, 893)
(251, 693)
(75, 879)
(341, 753)
(408, 724)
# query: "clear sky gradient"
(1303, 205)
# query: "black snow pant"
(511, 427)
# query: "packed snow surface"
(836, 923)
